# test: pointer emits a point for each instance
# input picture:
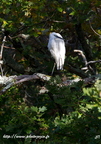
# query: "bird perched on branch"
(56, 46)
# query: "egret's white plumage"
(56, 46)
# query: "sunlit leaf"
(60, 9)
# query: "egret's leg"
(53, 68)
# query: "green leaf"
(35, 109)
(42, 109)
(98, 85)
(60, 9)
(73, 13)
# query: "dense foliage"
(48, 112)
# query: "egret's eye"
(58, 37)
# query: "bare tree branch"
(87, 64)
(8, 82)
(86, 81)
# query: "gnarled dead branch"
(8, 82)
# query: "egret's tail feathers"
(60, 64)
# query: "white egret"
(56, 46)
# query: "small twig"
(1, 52)
(93, 29)
(2, 46)
(6, 88)
(83, 56)
(1, 70)
(92, 62)
(56, 21)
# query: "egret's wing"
(61, 47)
(61, 54)
(52, 47)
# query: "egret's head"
(55, 35)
